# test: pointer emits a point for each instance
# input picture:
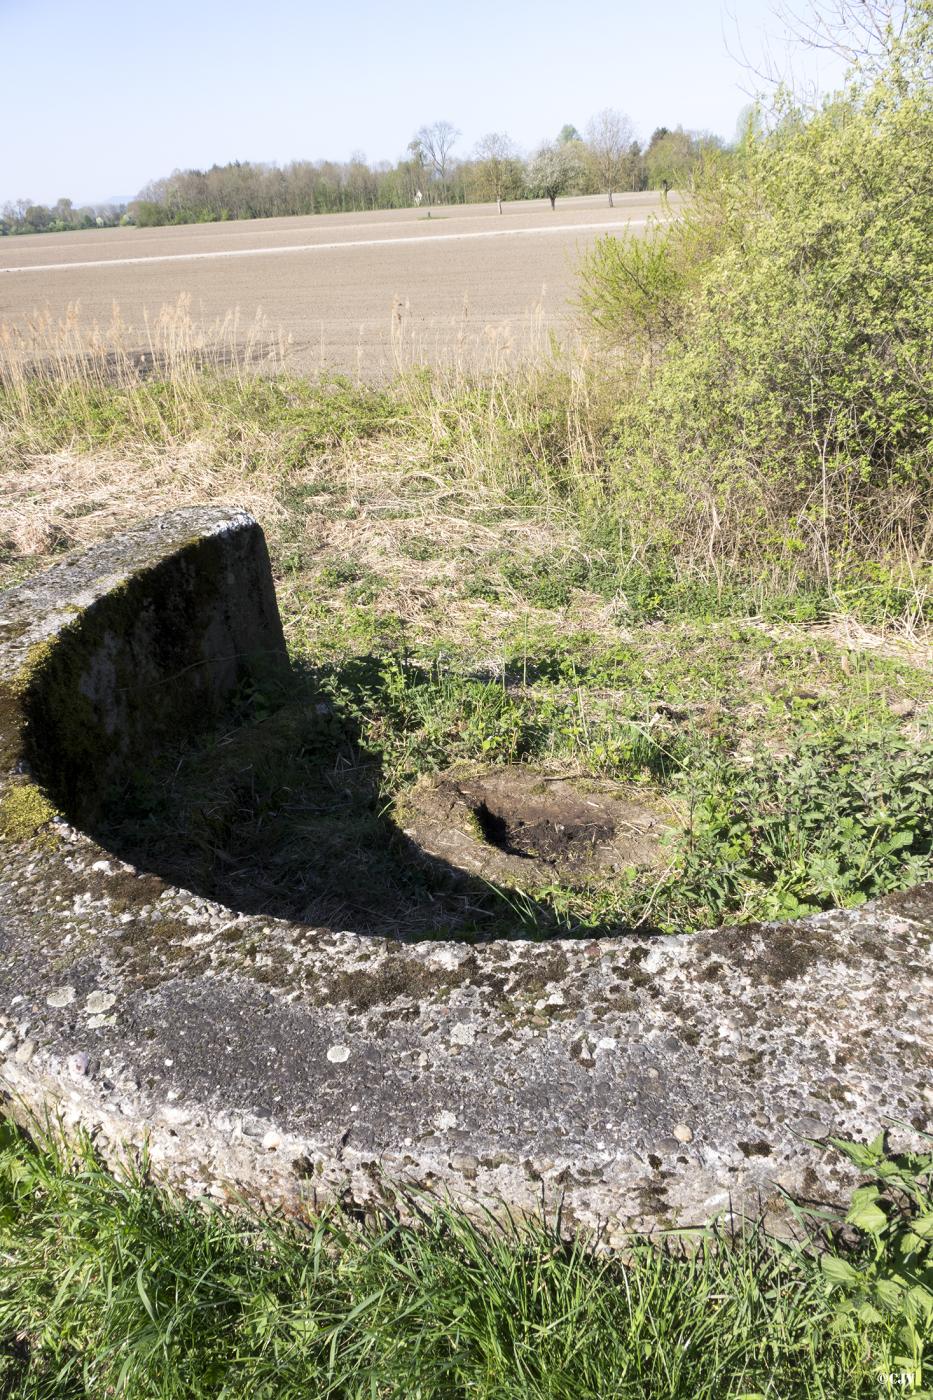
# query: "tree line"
(25, 216)
(606, 159)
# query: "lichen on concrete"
(635, 1081)
(24, 811)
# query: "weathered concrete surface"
(145, 635)
(636, 1081)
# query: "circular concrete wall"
(634, 1081)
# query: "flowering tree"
(553, 169)
(497, 165)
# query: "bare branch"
(436, 142)
(609, 137)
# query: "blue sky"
(107, 94)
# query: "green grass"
(53, 410)
(113, 1286)
(792, 783)
(455, 585)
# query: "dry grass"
(465, 344)
(420, 482)
(65, 500)
(72, 496)
(174, 346)
(904, 639)
(466, 442)
(424, 542)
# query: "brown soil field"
(361, 293)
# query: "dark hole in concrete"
(524, 828)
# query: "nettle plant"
(885, 1283)
(839, 820)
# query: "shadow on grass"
(283, 811)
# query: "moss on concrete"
(10, 728)
(24, 811)
(12, 693)
(37, 657)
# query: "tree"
(497, 165)
(863, 33)
(609, 137)
(553, 169)
(634, 167)
(436, 143)
(568, 132)
(670, 158)
(360, 182)
(37, 217)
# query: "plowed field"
(357, 292)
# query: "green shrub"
(785, 419)
(633, 288)
(839, 820)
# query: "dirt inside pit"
(520, 826)
(537, 834)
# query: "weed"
(877, 1261)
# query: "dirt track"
(358, 292)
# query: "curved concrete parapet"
(635, 1081)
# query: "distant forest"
(606, 159)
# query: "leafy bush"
(785, 420)
(836, 822)
(635, 290)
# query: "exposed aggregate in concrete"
(638, 1082)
